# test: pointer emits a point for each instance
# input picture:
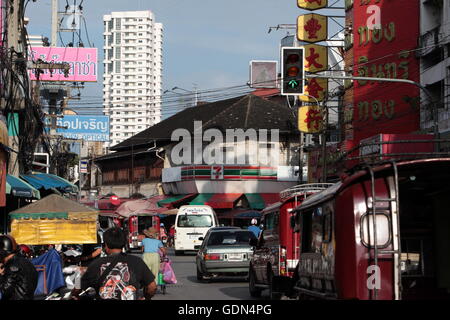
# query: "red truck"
(277, 250)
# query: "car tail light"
(283, 261)
(213, 256)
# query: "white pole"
(55, 23)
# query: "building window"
(118, 52)
(118, 23)
(117, 66)
(118, 38)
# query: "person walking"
(18, 276)
(254, 228)
(172, 235)
(118, 276)
(152, 247)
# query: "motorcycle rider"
(162, 233)
(18, 276)
(254, 228)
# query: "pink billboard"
(82, 61)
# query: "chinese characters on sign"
(316, 88)
(312, 4)
(316, 58)
(312, 28)
(310, 119)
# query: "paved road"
(189, 288)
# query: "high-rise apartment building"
(132, 79)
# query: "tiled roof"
(243, 112)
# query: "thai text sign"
(384, 41)
(82, 61)
(88, 128)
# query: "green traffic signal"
(293, 84)
(292, 71)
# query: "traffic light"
(292, 72)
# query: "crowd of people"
(105, 270)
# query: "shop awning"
(259, 201)
(19, 188)
(176, 200)
(54, 220)
(217, 200)
(49, 181)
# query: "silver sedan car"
(224, 252)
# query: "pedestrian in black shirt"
(118, 276)
(91, 252)
(18, 276)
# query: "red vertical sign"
(385, 34)
(3, 170)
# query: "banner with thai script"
(88, 128)
(83, 63)
(384, 43)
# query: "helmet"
(254, 221)
(8, 244)
(25, 249)
(161, 225)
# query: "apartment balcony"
(429, 41)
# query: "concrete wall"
(124, 191)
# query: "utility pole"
(324, 143)
(15, 27)
(196, 98)
(55, 23)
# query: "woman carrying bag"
(153, 249)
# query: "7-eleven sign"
(217, 172)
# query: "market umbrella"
(141, 206)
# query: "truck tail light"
(213, 256)
(283, 260)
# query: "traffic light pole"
(406, 81)
(301, 140)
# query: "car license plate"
(235, 257)
(194, 237)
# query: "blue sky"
(206, 42)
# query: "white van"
(192, 222)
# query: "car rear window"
(230, 238)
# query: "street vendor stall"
(54, 220)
